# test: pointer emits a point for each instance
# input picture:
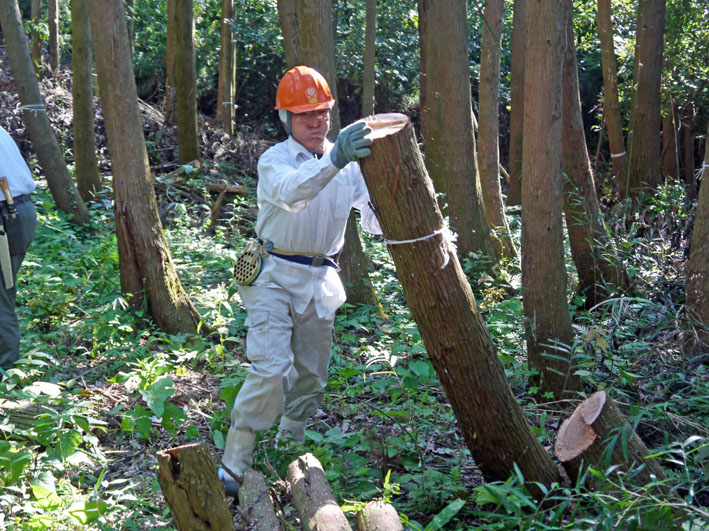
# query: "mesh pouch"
(249, 263)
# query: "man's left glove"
(351, 144)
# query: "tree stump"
(256, 503)
(443, 306)
(313, 498)
(378, 516)
(597, 434)
(188, 479)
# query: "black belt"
(316, 261)
(19, 199)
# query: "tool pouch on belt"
(249, 263)
(13, 228)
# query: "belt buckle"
(318, 261)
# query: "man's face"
(310, 128)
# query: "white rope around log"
(33, 108)
(447, 246)
(616, 155)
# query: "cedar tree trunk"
(289, 29)
(519, 39)
(88, 179)
(53, 25)
(186, 79)
(37, 54)
(44, 143)
(370, 58)
(543, 268)
(489, 130)
(611, 103)
(670, 145)
(144, 257)
(690, 179)
(645, 120)
(227, 70)
(597, 263)
(170, 64)
(442, 304)
(447, 122)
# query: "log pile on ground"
(189, 482)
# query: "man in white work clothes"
(306, 188)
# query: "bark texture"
(44, 142)
(611, 103)
(170, 64)
(313, 498)
(442, 304)
(226, 91)
(36, 53)
(489, 129)
(370, 42)
(53, 26)
(378, 516)
(645, 118)
(690, 179)
(543, 268)
(697, 284)
(289, 29)
(447, 122)
(189, 482)
(88, 179)
(256, 503)
(186, 79)
(144, 257)
(519, 39)
(599, 269)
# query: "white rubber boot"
(239, 450)
(290, 430)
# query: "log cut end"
(386, 124)
(576, 434)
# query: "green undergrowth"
(100, 390)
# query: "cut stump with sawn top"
(442, 304)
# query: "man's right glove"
(351, 144)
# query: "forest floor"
(111, 391)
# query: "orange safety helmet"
(303, 89)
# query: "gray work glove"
(351, 144)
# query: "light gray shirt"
(14, 167)
(304, 203)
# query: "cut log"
(313, 497)
(598, 435)
(256, 503)
(188, 479)
(442, 304)
(378, 516)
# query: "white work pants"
(289, 355)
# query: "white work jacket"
(13, 166)
(304, 203)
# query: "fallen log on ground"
(313, 497)
(442, 304)
(256, 503)
(188, 479)
(598, 435)
(378, 516)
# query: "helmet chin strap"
(286, 119)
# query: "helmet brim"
(307, 107)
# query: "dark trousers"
(9, 325)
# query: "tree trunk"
(144, 257)
(37, 54)
(312, 496)
(316, 46)
(186, 78)
(227, 70)
(597, 434)
(188, 479)
(543, 267)
(130, 23)
(289, 29)
(44, 142)
(442, 304)
(611, 104)
(88, 179)
(53, 25)
(171, 65)
(697, 284)
(690, 179)
(670, 146)
(488, 129)
(256, 503)
(518, 45)
(447, 122)
(645, 119)
(370, 58)
(597, 263)
(378, 516)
